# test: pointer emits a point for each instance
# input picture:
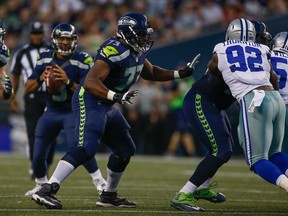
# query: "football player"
(119, 62)
(5, 86)
(279, 62)
(70, 67)
(245, 68)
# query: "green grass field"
(149, 181)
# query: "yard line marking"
(141, 211)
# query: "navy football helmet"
(241, 29)
(64, 30)
(134, 28)
(262, 36)
(2, 32)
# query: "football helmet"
(135, 30)
(64, 30)
(280, 42)
(262, 36)
(2, 32)
(241, 29)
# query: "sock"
(189, 187)
(267, 170)
(40, 181)
(205, 184)
(280, 159)
(113, 179)
(96, 175)
(62, 171)
(282, 182)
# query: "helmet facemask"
(65, 49)
(2, 33)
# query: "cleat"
(111, 199)
(208, 194)
(100, 185)
(185, 202)
(45, 196)
(33, 191)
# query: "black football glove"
(7, 92)
(125, 97)
(188, 70)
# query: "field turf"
(149, 181)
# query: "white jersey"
(279, 62)
(244, 66)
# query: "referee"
(22, 64)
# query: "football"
(53, 85)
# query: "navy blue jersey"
(76, 69)
(125, 66)
(215, 90)
(4, 55)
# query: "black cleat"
(45, 196)
(111, 199)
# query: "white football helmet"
(241, 29)
(280, 42)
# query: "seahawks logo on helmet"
(127, 21)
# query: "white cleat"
(34, 190)
(100, 185)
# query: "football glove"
(125, 97)
(7, 92)
(189, 69)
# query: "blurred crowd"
(151, 115)
(96, 20)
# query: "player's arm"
(34, 81)
(156, 73)
(274, 79)
(62, 77)
(14, 106)
(213, 65)
(6, 90)
(94, 84)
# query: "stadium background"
(183, 28)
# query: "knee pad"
(76, 156)
(117, 164)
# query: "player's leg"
(118, 139)
(257, 144)
(91, 165)
(93, 126)
(47, 129)
(32, 112)
(214, 129)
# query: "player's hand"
(125, 97)
(189, 69)
(7, 91)
(60, 74)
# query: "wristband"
(110, 95)
(39, 81)
(176, 74)
(69, 83)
